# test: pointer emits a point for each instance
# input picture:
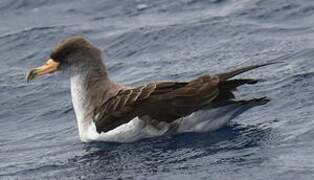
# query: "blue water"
(148, 40)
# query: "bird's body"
(101, 99)
(107, 111)
(203, 120)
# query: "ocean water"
(150, 40)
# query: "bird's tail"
(228, 85)
(230, 74)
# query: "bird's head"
(74, 55)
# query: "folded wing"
(161, 101)
(168, 101)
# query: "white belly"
(200, 121)
(132, 131)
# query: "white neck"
(85, 98)
(78, 93)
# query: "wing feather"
(164, 101)
(168, 101)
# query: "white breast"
(132, 131)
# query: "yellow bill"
(50, 67)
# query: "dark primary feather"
(231, 74)
(168, 101)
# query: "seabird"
(108, 111)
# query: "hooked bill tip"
(30, 75)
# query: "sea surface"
(151, 40)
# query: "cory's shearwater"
(108, 111)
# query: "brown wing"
(162, 101)
(168, 101)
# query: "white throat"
(78, 94)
